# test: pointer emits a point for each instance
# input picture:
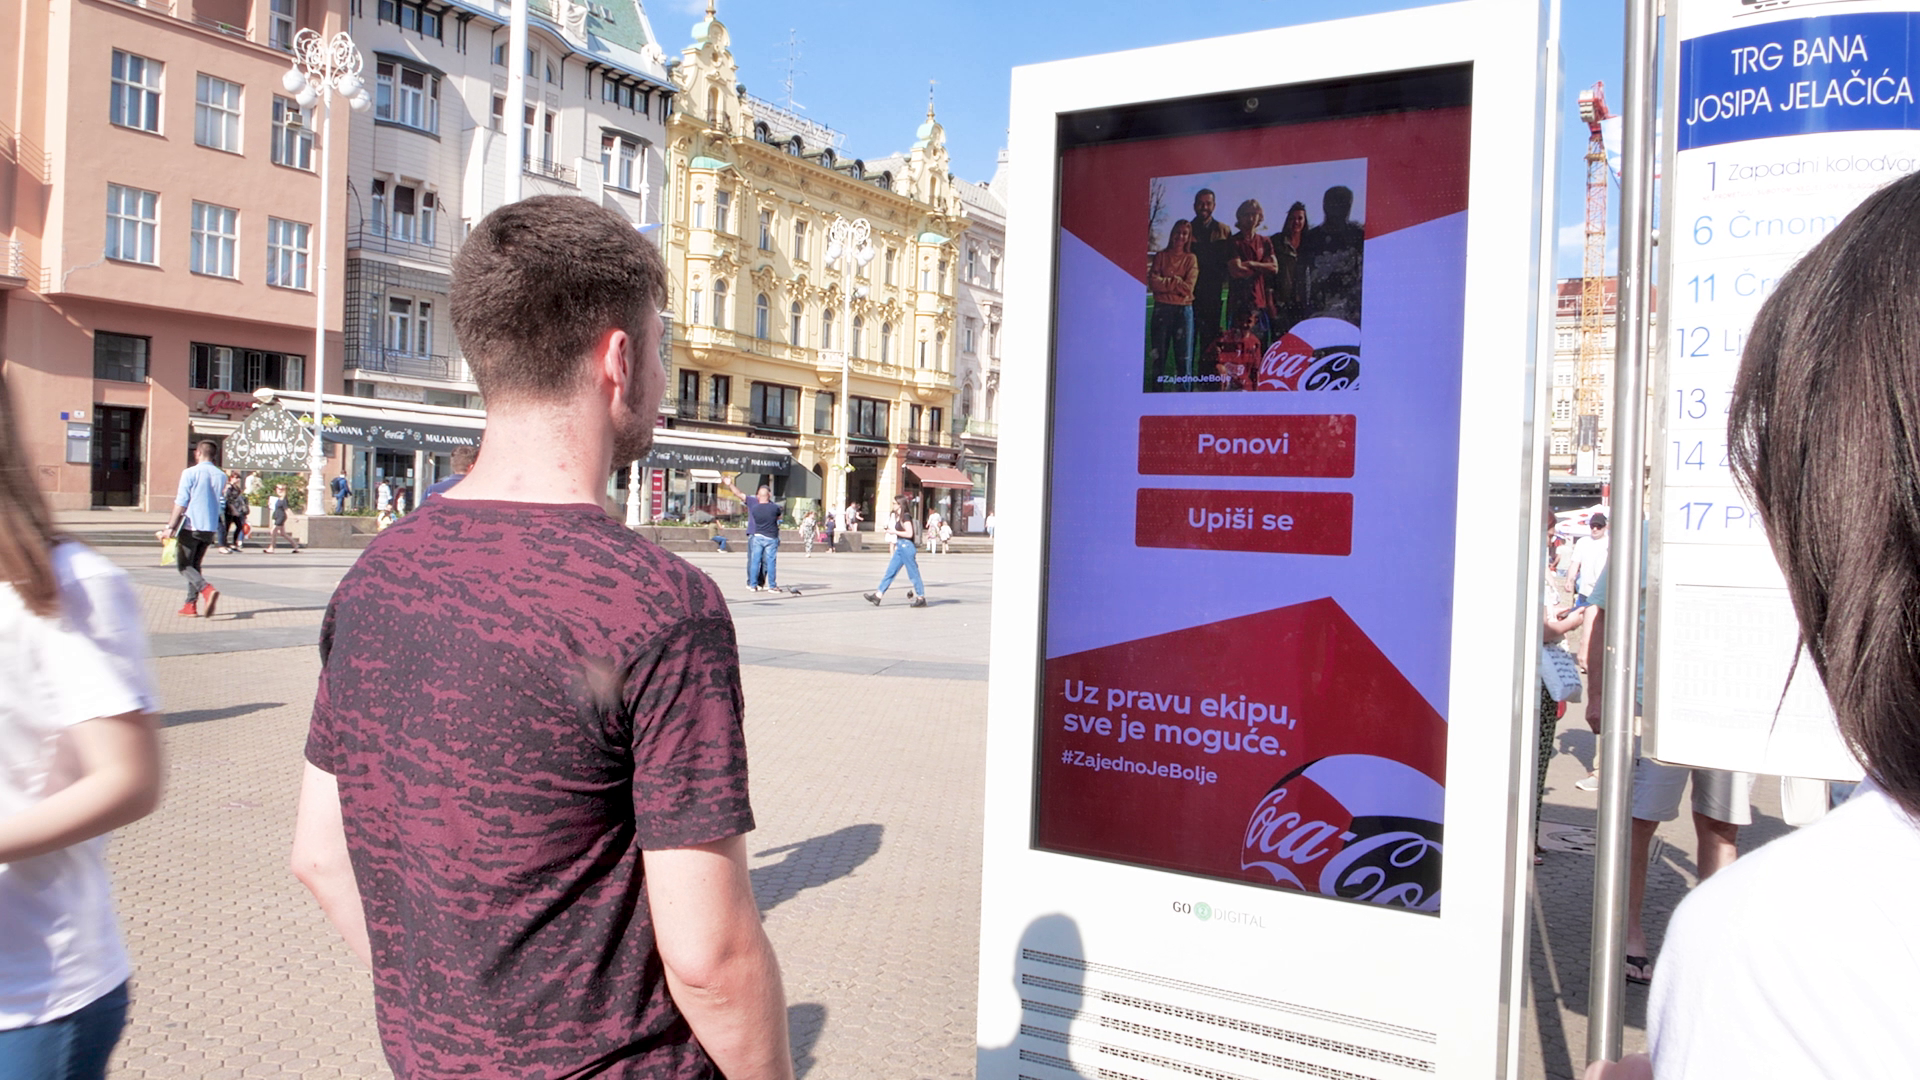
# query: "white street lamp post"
(634, 470)
(322, 66)
(852, 239)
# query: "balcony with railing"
(551, 170)
(707, 412)
(452, 369)
(440, 252)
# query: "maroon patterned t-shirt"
(516, 700)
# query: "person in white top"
(1803, 959)
(78, 758)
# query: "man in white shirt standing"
(200, 501)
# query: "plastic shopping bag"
(169, 552)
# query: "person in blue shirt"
(763, 537)
(196, 515)
(342, 487)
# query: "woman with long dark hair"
(1170, 279)
(1803, 958)
(905, 555)
(78, 758)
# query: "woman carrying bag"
(900, 528)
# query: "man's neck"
(553, 454)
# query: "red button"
(1285, 522)
(1247, 445)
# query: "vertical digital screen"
(1253, 456)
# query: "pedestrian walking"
(933, 530)
(905, 554)
(78, 758)
(763, 537)
(197, 507)
(807, 526)
(277, 513)
(1803, 957)
(342, 488)
(233, 517)
(576, 902)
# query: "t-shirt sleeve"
(323, 739)
(689, 749)
(98, 604)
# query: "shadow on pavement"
(804, 1025)
(201, 716)
(812, 863)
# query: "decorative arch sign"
(270, 439)
(1266, 618)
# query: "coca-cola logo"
(1304, 834)
(1291, 364)
(222, 401)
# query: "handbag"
(1559, 674)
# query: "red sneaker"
(188, 608)
(209, 596)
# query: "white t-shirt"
(1799, 960)
(1589, 558)
(60, 946)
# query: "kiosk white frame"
(1460, 976)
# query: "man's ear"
(614, 366)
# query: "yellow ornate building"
(761, 315)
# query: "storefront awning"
(939, 476)
(674, 452)
(398, 434)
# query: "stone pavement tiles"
(866, 863)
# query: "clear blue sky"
(863, 68)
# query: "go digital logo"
(1206, 912)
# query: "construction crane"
(1591, 371)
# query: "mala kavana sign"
(271, 439)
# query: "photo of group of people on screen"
(1240, 308)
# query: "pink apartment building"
(159, 203)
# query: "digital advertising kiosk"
(1270, 569)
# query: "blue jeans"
(904, 555)
(1172, 341)
(763, 552)
(74, 1047)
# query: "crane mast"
(1590, 371)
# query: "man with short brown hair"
(530, 821)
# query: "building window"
(722, 210)
(292, 142)
(775, 406)
(215, 238)
(855, 343)
(405, 223)
(120, 357)
(409, 326)
(430, 24)
(287, 253)
(720, 396)
(693, 306)
(499, 112)
(966, 337)
(889, 276)
(934, 416)
(546, 138)
(223, 367)
(499, 54)
(766, 230)
(216, 113)
(762, 317)
(823, 412)
(1562, 444)
(280, 27)
(379, 216)
(689, 392)
(826, 329)
(973, 266)
(940, 275)
(920, 352)
(796, 324)
(966, 400)
(913, 423)
(867, 418)
(135, 101)
(940, 350)
(720, 304)
(699, 213)
(406, 96)
(993, 271)
(133, 220)
(886, 343)
(799, 238)
(1563, 408)
(429, 216)
(617, 158)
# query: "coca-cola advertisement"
(1249, 608)
(1254, 278)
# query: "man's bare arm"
(321, 863)
(720, 966)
